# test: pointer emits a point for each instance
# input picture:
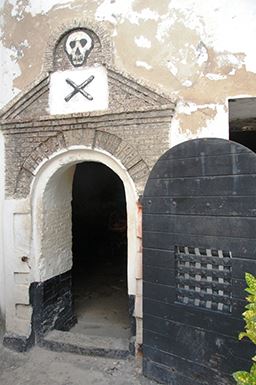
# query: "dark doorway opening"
(242, 122)
(99, 274)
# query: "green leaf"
(252, 336)
(249, 315)
(250, 291)
(242, 335)
(249, 334)
(243, 378)
(251, 306)
(251, 281)
(251, 298)
(253, 371)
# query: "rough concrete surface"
(43, 367)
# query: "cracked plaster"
(197, 52)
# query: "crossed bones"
(79, 89)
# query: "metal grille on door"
(203, 278)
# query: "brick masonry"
(136, 140)
(134, 130)
(137, 117)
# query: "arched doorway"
(99, 245)
(52, 232)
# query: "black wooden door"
(199, 238)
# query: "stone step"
(86, 345)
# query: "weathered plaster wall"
(199, 52)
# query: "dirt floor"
(101, 303)
(43, 367)
(102, 310)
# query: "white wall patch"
(140, 63)
(143, 42)
(75, 91)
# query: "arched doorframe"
(52, 170)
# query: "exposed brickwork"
(138, 117)
(134, 130)
(82, 136)
(125, 95)
(107, 141)
(61, 60)
(37, 94)
(132, 137)
(54, 58)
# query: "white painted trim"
(15, 292)
(3, 288)
(62, 160)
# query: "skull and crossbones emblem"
(79, 88)
(78, 46)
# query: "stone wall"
(27, 147)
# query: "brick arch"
(63, 28)
(92, 139)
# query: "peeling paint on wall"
(198, 121)
(9, 66)
(196, 52)
(143, 42)
(140, 63)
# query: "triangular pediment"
(125, 95)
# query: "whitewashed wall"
(2, 223)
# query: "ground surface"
(43, 367)
(102, 310)
(101, 302)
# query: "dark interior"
(242, 121)
(246, 138)
(99, 227)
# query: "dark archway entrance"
(99, 274)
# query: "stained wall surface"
(198, 52)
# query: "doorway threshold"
(99, 346)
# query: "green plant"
(243, 377)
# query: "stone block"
(107, 142)
(23, 327)
(82, 137)
(23, 312)
(22, 294)
(128, 155)
(21, 278)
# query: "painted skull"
(78, 46)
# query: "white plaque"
(80, 90)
